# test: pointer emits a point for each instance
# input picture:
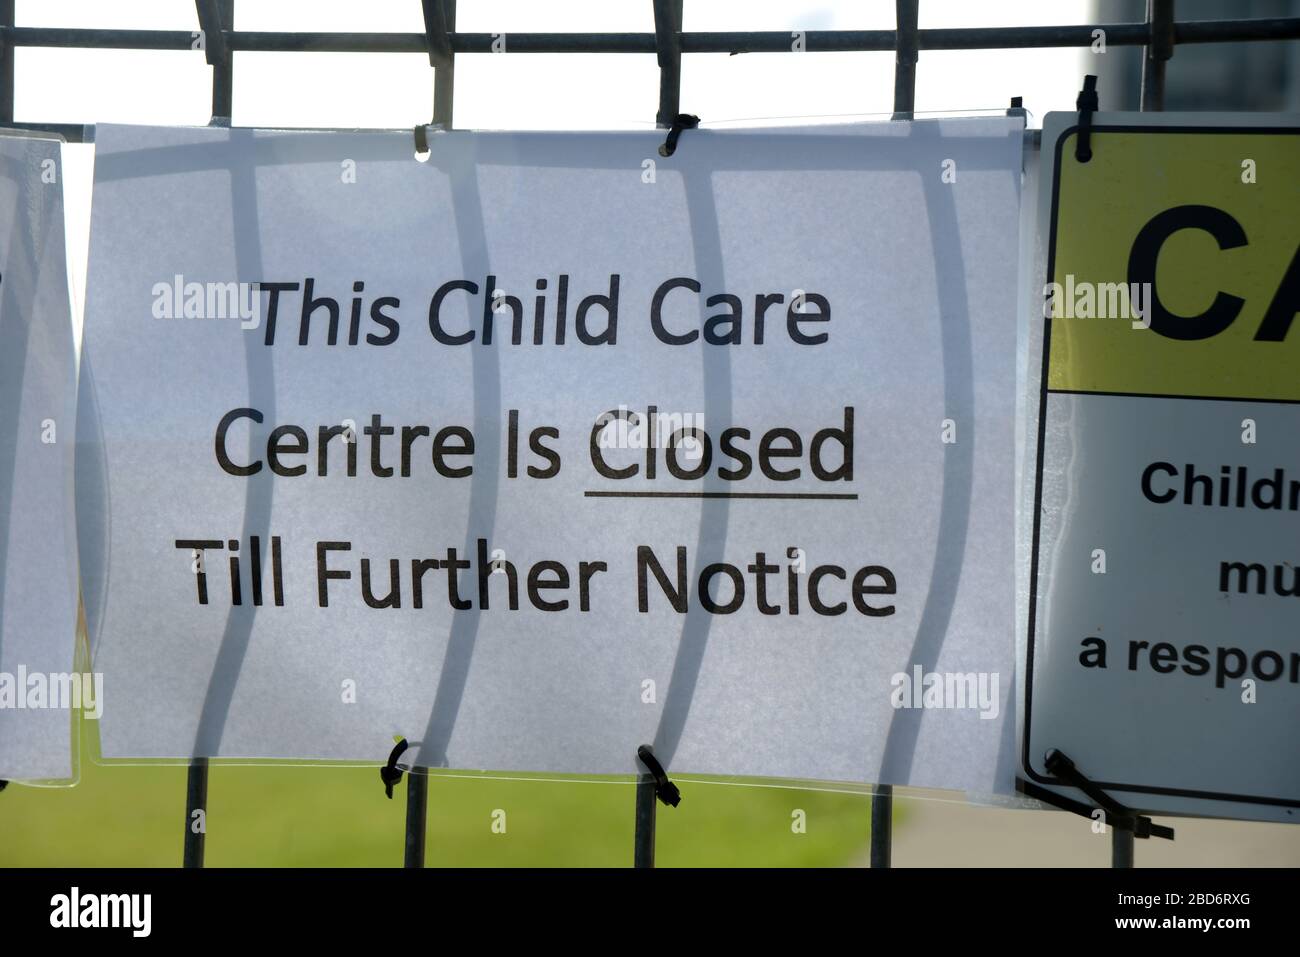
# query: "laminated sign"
(550, 446)
(38, 559)
(1165, 631)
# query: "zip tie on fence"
(436, 34)
(215, 51)
(665, 790)
(422, 135)
(1117, 815)
(1086, 104)
(390, 773)
(682, 121)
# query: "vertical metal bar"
(1121, 848)
(417, 813)
(215, 17)
(644, 852)
(196, 799)
(1160, 47)
(6, 62)
(905, 56)
(906, 16)
(668, 49)
(882, 826)
(439, 23)
(223, 73)
(444, 67)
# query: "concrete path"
(946, 834)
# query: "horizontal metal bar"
(824, 41)
(1117, 34)
(460, 42)
(288, 42)
(1270, 28)
(965, 38)
(72, 132)
(93, 39)
(78, 133)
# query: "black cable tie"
(682, 121)
(665, 790)
(1140, 826)
(422, 139)
(1117, 815)
(215, 50)
(1086, 104)
(435, 32)
(390, 773)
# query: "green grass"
(118, 816)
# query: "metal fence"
(217, 39)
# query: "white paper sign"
(38, 561)
(451, 418)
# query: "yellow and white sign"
(1164, 624)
